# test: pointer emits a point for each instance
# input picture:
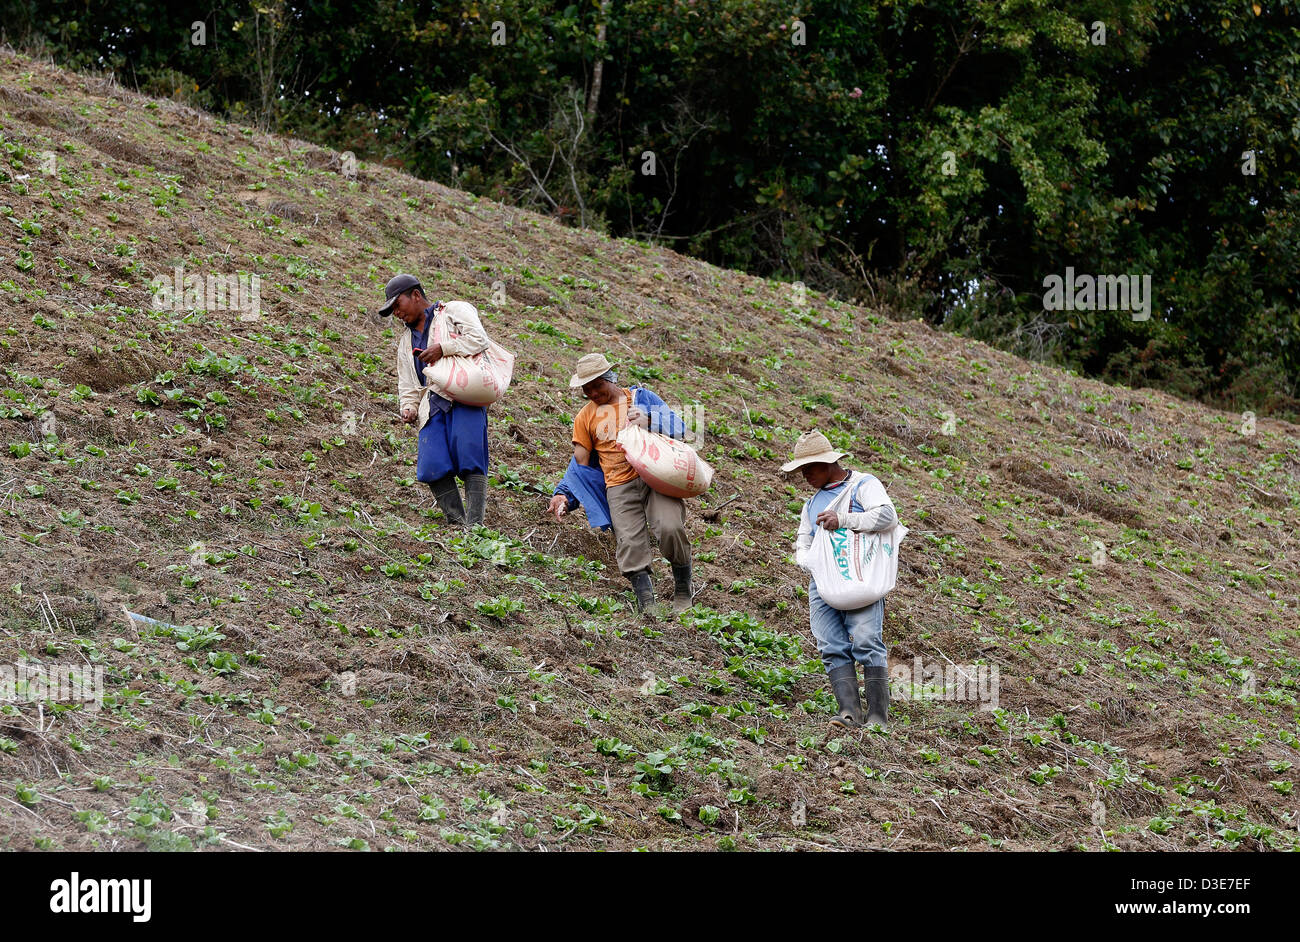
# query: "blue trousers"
(453, 442)
(845, 637)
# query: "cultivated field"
(338, 668)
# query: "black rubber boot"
(876, 682)
(644, 589)
(844, 684)
(447, 494)
(475, 497)
(681, 588)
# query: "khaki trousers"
(636, 510)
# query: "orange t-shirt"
(596, 428)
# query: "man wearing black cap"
(453, 436)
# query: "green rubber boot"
(681, 588)
(476, 497)
(447, 494)
(844, 684)
(643, 588)
(876, 682)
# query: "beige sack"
(667, 465)
(479, 380)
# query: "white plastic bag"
(852, 570)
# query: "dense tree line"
(948, 155)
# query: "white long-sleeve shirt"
(877, 511)
(467, 338)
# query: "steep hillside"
(338, 668)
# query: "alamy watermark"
(211, 292)
(1098, 293)
(22, 682)
(691, 431)
(90, 895)
(948, 681)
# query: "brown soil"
(345, 706)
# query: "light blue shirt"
(826, 496)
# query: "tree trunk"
(598, 71)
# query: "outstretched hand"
(559, 506)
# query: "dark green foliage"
(951, 154)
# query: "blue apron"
(454, 440)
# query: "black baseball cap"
(398, 284)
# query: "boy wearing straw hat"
(600, 478)
(845, 638)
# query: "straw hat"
(588, 368)
(812, 447)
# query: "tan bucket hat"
(588, 368)
(812, 447)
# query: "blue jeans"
(845, 637)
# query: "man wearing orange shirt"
(635, 510)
